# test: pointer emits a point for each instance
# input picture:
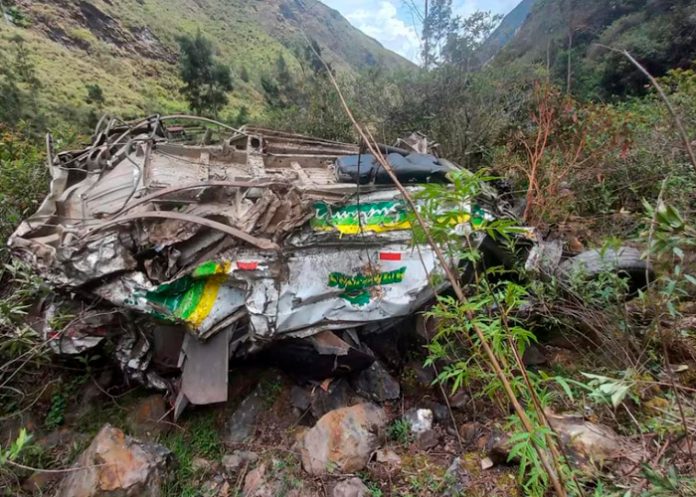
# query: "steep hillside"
(507, 29)
(660, 33)
(129, 47)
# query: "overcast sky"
(391, 21)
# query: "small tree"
(95, 95)
(242, 117)
(19, 85)
(244, 74)
(206, 81)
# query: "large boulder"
(591, 445)
(116, 465)
(588, 445)
(343, 440)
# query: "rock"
(273, 479)
(202, 465)
(116, 464)
(352, 487)
(385, 346)
(258, 484)
(216, 487)
(456, 479)
(300, 398)
(343, 439)
(427, 440)
(336, 396)
(388, 457)
(487, 463)
(238, 459)
(534, 356)
(243, 421)
(460, 400)
(92, 393)
(470, 432)
(499, 447)
(590, 443)
(148, 419)
(375, 383)
(440, 412)
(419, 420)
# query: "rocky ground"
(387, 431)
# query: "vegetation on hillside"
(206, 81)
(130, 48)
(568, 35)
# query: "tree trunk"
(426, 43)
(569, 76)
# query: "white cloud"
(381, 20)
(388, 21)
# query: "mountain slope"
(507, 29)
(661, 34)
(129, 47)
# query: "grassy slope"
(129, 46)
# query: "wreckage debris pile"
(257, 238)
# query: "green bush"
(23, 181)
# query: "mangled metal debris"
(265, 235)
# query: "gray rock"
(243, 421)
(534, 356)
(300, 398)
(440, 412)
(337, 396)
(385, 346)
(239, 458)
(427, 440)
(343, 440)
(456, 479)
(40, 482)
(352, 487)
(419, 420)
(116, 464)
(375, 383)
